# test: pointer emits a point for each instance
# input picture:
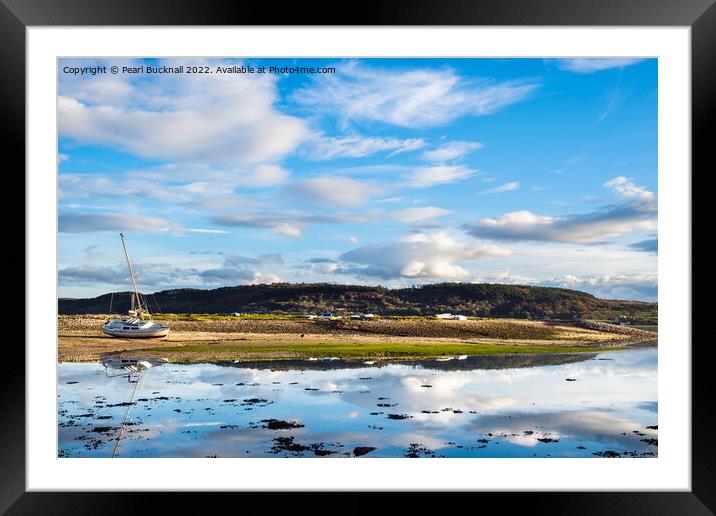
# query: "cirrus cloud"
(451, 151)
(438, 175)
(591, 65)
(408, 98)
(507, 187)
(355, 146)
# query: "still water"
(586, 405)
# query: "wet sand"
(80, 338)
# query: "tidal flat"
(588, 404)
(201, 338)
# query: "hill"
(484, 300)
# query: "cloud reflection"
(465, 410)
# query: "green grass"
(406, 317)
(217, 317)
(352, 350)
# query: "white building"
(452, 317)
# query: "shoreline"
(215, 339)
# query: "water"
(508, 406)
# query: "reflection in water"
(504, 406)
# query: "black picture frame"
(699, 15)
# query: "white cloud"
(189, 183)
(537, 263)
(234, 269)
(450, 151)
(323, 266)
(427, 255)
(208, 231)
(413, 215)
(634, 286)
(409, 98)
(286, 223)
(590, 65)
(105, 89)
(507, 187)
(146, 274)
(287, 229)
(282, 224)
(359, 146)
(91, 274)
(227, 118)
(626, 189)
(441, 174)
(590, 228)
(638, 212)
(243, 270)
(265, 175)
(341, 191)
(86, 223)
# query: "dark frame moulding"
(700, 15)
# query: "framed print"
(421, 251)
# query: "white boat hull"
(136, 334)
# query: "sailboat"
(138, 324)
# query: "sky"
(393, 172)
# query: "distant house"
(329, 317)
(624, 320)
(235, 314)
(452, 317)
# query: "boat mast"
(131, 275)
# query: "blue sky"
(388, 171)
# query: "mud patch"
(103, 429)
(611, 454)
(359, 451)
(277, 424)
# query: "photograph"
(357, 257)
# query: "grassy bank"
(199, 352)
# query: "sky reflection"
(571, 407)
